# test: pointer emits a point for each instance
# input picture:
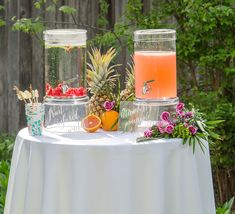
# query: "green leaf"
(37, 5)
(2, 23)
(201, 144)
(2, 7)
(115, 123)
(226, 208)
(214, 122)
(194, 142)
(214, 135)
(143, 139)
(228, 205)
(201, 125)
(67, 10)
(28, 25)
(190, 141)
(51, 8)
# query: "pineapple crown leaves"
(128, 93)
(130, 81)
(101, 76)
(99, 61)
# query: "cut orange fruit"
(91, 123)
(110, 120)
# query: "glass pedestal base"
(157, 102)
(149, 111)
(64, 115)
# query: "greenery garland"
(190, 125)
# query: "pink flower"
(181, 113)
(161, 130)
(161, 125)
(192, 129)
(148, 133)
(108, 105)
(179, 107)
(169, 129)
(185, 125)
(165, 116)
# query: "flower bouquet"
(190, 125)
(33, 109)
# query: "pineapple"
(128, 94)
(101, 79)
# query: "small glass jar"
(35, 118)
(65, 64)
(155, 64)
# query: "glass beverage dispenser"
(65, 64)
(155, 75)
(66, 97)
(155, 64)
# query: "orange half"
(91, 123)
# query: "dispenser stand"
(65, 115)
(149, 111)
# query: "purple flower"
(169, 129)
(108, 105)
(165, 116)
(173, 122)
(148, 133)
(192, 129)
(189, 114)
(179, 107)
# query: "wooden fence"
(22, 56)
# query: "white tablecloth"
(107, 173)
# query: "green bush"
(6, 148)
(217, 108)
(4, 174)
(226, 208)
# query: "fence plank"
(13, 60)
(118, 8)
(93, 12)
(147, 5)
(3, 76)
(25, 57)
(37, 60)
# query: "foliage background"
(205, 59)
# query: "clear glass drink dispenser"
(155, 75)
(66, 97)
(155, 64)
(65, 64)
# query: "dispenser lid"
(65, 37)
(154, 35)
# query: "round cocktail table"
(107, 173)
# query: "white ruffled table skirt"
(107, 173)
